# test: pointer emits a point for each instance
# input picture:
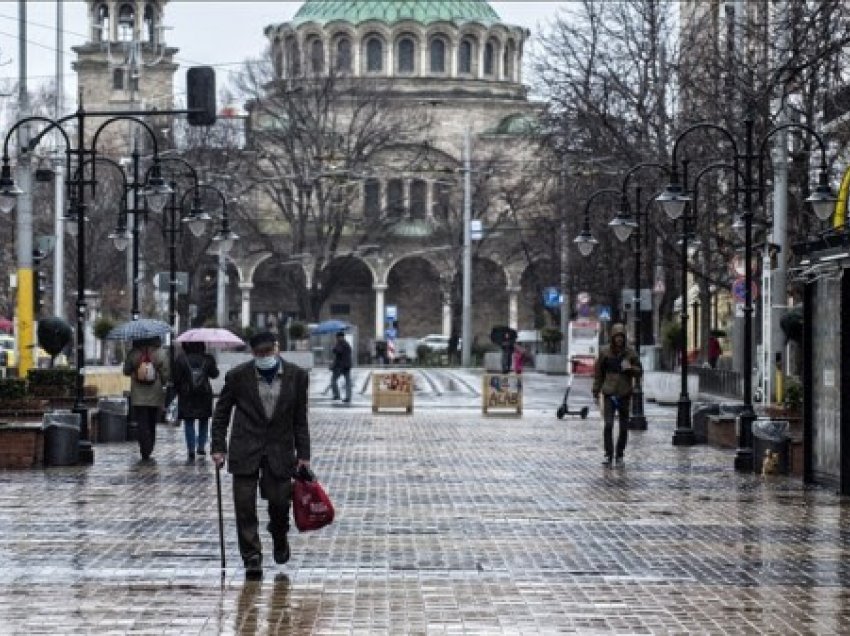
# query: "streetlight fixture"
(821, 198)
(585, 241)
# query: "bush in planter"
(12, 389)
(51, 382)
(793, 395)
(297, 331)
(552, 337)
(671, 339)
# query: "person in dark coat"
(269, 443)
(193, 371)
(341, 366)
(507, 352)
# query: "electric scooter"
(564, 409)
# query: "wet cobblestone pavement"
(447, 523)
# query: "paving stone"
(447, 523)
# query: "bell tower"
(126, 65)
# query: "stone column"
(447, 316)
(246, 303)
(380, 290)
(513, 307)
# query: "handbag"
(311, 506)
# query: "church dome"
(392, 11)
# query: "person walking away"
(714, 351)
(269, 442)
(193, 371)
(616, 371)
(147, 366)
(519, 358)
(341, 366)
(507, 352)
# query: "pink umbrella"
(6, 324)
(213, 336)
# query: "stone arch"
(341, 51)
(534, 278)
(284, 288)
(348, 282)
(414, 286)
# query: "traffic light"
(200, 96)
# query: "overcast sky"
(220, 34)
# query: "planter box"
(722, 431)
(392, 391)
(22, 445)
(501, 393)
(551, 363)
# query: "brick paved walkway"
(447, 523)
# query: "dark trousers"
(277, 491)
(146, 418)
(620, 405)
(346, 376)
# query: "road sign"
(604, 313)
(476, 230)
(583, 298)
(739, 290)
(551, 297)
(391, 312)
(162, 280)
(659, 287)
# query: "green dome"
(392, 11)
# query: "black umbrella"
(497, 334)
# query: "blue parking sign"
(551, 297)
(604, 313)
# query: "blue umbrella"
(330, 326)
(140, 329)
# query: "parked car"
(7, 351)
(436, 342)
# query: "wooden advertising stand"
(392, 391)
(501, 393)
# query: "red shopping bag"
(311, 506)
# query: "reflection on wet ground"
(446, 523)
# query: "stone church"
(452, 61)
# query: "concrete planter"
(551, 363)
(665, 387)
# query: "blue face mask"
(266, 363)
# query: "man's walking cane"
(220, 515)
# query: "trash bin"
(61, 438)
(771, 435)
(112, 419)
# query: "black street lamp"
(76, 190)
(674, 200)
(585, 241)
(624, 226)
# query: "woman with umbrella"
(147, 366)
(192, 373)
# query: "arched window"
(489, 53)
(442, 199)
(438, 55)
(343, 55)
(395, 198)
(406, 55)
(103, 34)
(418, 199)
(293, 57)
(149, 26)
(508, 61)
(371, 199)
(464, 55)
(126, 23)
(317, 57)
(118, 79)
(374, 55)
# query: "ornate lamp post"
(623, 226)
(674, 200)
